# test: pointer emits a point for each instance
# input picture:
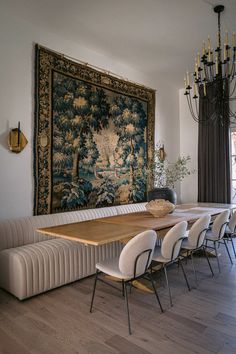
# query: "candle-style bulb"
(209, 43)
(204, 89)
(204, 48)
(225, 54)
(185, 82)
(196, 69)
(217, 69)
(209, 55)
(198, 59)
(226, 37)
(234, 40)
(188, 83)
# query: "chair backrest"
(172, 241)
(232, 222)
(136, 256)
(197, 232)
(219, 224)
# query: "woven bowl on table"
(160, 207)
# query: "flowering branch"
(165, 173)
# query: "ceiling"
(157, 37)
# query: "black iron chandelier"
(214, 80)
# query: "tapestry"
(94, 136)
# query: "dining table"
(125, 226)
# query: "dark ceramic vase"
(163, 193)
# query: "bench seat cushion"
(34, 268)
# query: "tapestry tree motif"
(94, 137)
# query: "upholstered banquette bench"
(32, 263)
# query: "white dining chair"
(230, 231)
(169, 251)
(195, 241)
(133, 263)
(216, 234)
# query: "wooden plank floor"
(201, 321)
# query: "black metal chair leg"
(167, 283)
(127, 306)
(208, 261)
(123, 288)
(217, 257)
(94, 288)
(130, 287)
(186, 258)
(194, 270)
(154, 288)
(227, 249)
(185, 276)
(233, 246)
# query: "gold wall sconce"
(16, 140)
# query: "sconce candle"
(162, 153)
(18, 133)
(16, 140)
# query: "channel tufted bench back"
(22, 231)
(131, 208)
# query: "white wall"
(167, 117)
(17, 39)
(188, 146)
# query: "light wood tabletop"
(92, 232)
(206, 205)
(146, 220)
(123, 227)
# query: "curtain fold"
(214, 184)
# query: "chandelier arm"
(190, 106)
(212, 72)
(228, 70)
(198, 89)
(205, 73)
(196, 118)
(203, 120)
(197, 106)
(231, 112)
(231, 75)
(225, 70)
(208, 73)
(232, 115)
(232, 92)
(232, 72)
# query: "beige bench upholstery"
(130, 208)
(31, 263)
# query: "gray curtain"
(214, 183)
